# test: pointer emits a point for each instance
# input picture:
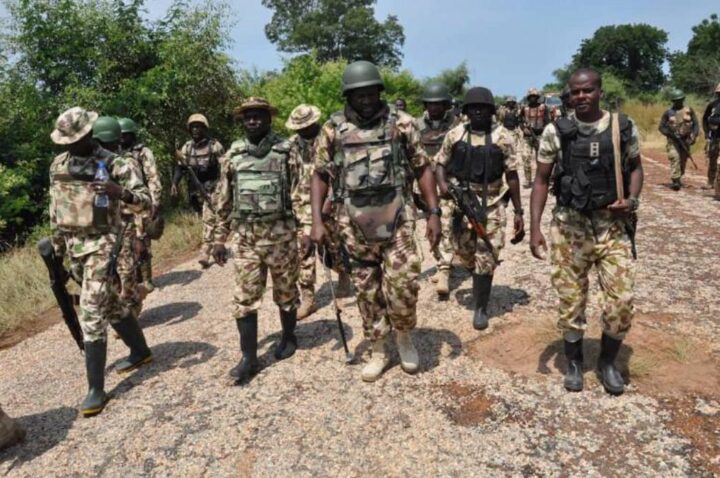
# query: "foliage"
(614, 91)
(456, 79)
(335, 30)
(698, 69)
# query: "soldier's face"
(366, 101)
(436, 109)
(677, 104)
(511, 105)
(198, 131)
(82, 147)
(480, 116)
(127, 140)
(309, 132)
(585, 94)
(400, 105)
(256, 123)
(533, 100)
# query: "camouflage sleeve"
(695, 126)
(443, 155)
(151, 176)
(549, 145)
(664, 127)
(218, 148)
(633, 146)
(57, 239)
(323, 162)
(413, 146)
(223, 200)
(300, 177)
(127, 172)
(507, 145)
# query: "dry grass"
(24, 290)
(647, 118)
(680, 350)
(641, 364)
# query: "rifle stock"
(466, 200)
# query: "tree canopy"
(698, 69)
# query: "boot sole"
(573, 388)
(246, 379)
(410, 371)
(136, 365)
(376, 377)
(613, 391)
(91, 412)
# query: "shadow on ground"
(170, 314)
(503, 299)
(177, 278)
(591, 352)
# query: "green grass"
(24, 289)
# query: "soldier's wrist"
(127, 197)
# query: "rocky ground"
(485, 404)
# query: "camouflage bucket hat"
(302, 117)
(255, 103)
(72, 125)
(197, 118)
(533, 92)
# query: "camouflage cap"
(510, 99)
(255, 103)
(72, 125)
(303, 116)
(533, 92)
(197, 118)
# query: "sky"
(509, 46)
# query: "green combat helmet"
(478, 95)
(436, 92)
(128, 126)
(360, 74)
(106, 129)
(677, 95)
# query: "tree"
(633, 53)
(456, 79)
(698, 69)
(335, 30)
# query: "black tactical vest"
(476, 164)
(585, 177)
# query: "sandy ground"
(484, 404)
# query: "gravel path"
(313, 416)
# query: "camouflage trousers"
(712, 150)
(444, 251)
(472, 251)
(99, 300)
(252, 263)
(529, 146)
(209, 221)
(385, 278)
(308, 274)
(127, 268)
(579, 241)
(678, 160)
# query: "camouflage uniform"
(684, 124)
(383, 254)
(260, 243)
(580, 240)
(534, 118)
(711, 126)
(199, 157)
(473, 253)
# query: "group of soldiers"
(345, 192)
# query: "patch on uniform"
(595, 149)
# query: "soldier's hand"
(173, 191)
(111, 188)
(154, 211)
(318, 233)
(538, 246)
(621, 207)
(220, 254)
(308, 247)
(139, 247)
(518, 229)
(433, 231)
(691, 140)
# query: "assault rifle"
(466, 200)
(194, 179)
(58, 278)
(682, 148)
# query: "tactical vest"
(73, 195)
(432, 133)
(535, 118)
(373, 175)
(713, 119)
(585, 176)
(261, 185)
(681, 121)
(511, 119)
(476, 164)
(203, 161)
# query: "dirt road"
(485, 404)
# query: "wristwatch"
(435, 210)
(634, 203)
(519, 211)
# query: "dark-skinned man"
(480, 156)
(254, 205)
(201, 154)
(589, 223)
(86, 229)
(146, 159)
(680, 126)
(437, 119)
(370, 154)
(535, 117)
(711, 127)
(305, 121)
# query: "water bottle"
(102, 201)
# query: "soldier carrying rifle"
(680, 125)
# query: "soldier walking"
(477, 156)
(590, 225)
(88, 187)
(535, 117)
(711, 127)
(198, 159)
(680, 126)
(371, 154)
(258, 176)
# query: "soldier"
(679, 124)
(589, 224)
(435, 122)
(509, 116)
(10, 431)
(370, 154)
(566, 109)
(145, 158)
(478, 155)
(85, 218)
(535, 116)
(304, 120)
(200, 156)
(711, 127)
(258, 176)
(400, 104)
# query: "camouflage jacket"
(145, 157)
(253, 233)
(71, 202)
(682, 122)
(433, 132)
(204, 161)
(301, 196)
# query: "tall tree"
(335, 30)
(698, 69)
(456, 79)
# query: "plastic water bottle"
(102, 201)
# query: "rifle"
(111, 272)
(194, 179)
(349, 356)
(682, 148)
(467, 201)
(58, 277)
(631, 223)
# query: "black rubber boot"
(676, 185)
(482, 284)
(574, 375)
(288, 342)
(610, 375)
(249, 364)
(130, 332)
(95, 360)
